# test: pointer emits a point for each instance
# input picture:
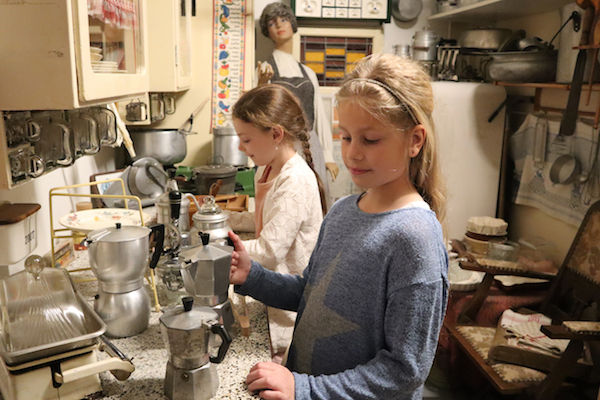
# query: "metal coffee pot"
(212, 220)
(190, 335)
(119, 258)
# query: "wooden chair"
(573, 304)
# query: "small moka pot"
(189, 333)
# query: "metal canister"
(225, 147)
(424, 46)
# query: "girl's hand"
(240, 261)
(272, 381)
(265, 72)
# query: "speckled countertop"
(149, 355)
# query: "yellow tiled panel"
(317, 67)
(354, 57)
(349, 67)
(335, 52)
(317, 56)
(334, 74)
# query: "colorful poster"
(228, 57)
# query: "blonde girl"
(372, 299)
(289, 203)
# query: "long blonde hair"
(398, 91)
(267, 106)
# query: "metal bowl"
(168, 146)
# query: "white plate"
(98, 218)
(463, 280)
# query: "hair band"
(394, 94)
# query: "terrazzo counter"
(149, 355)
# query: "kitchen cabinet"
(489, 11)
(65, 54)
(170, 45)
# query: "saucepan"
(168, 146)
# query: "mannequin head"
(271, 12)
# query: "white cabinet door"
(170, 45)
(64, 54)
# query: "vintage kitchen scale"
(50, 338)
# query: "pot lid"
(216, 170)
(147, 178)
(188, 317)
(12, 213)
(224, 131)
(406, 10)
(209, 211)
(119, 233)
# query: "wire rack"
(63, 233)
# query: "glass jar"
(169, 282)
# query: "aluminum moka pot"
(120, 255)
(187, 330)
(206, 272)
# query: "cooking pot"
(225, 147)
(485, 38)
(424, 46)
(119, 256)
(522, 66)
(168, 146)
(187, 332)
(205, 175)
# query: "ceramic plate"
(88, 220)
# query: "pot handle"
(118, 364)
(159, 232)
(226, 341)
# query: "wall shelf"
(537, 98)
(547, 85)
(487, 11)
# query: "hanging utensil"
(569, 119)
(189, 123)
(406, 10)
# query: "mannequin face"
(280, 30)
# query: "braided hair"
(271, 105)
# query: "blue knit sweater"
(370, 304)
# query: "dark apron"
(303, 88)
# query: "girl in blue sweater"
(371, 302)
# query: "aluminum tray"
(93, 326)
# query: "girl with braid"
(289, 203)
(372, 299)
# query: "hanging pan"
(406, 10)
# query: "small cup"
(136, 111)
(25, 163)
(21, 128)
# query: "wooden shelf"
(486, 11)
(547, 85)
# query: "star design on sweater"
(318, 321)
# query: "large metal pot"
(485, 38)
(119, 256)
(205, 175)
(168, 146)
(522, 66)
(424, 46)
(225, 147)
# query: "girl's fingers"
(237, 242)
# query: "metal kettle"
(212, 220)
(187, 332)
